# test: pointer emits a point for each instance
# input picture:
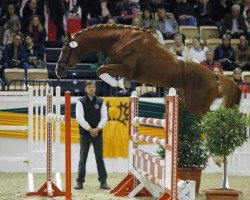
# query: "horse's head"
(68, 57)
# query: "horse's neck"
(96, 41)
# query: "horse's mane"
(111, 27)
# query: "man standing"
(91, 114)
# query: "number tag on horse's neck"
(73, 44)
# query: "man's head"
(178, 39)
(209, 56)
(161, 13)
(28, 39)
(235, 10)
(237, 73)
(226, 38)
(17, 40)
(90, 88)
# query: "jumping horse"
(137, 55)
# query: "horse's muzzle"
(60, 72)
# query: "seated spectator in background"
(6, 20)
(217, 70)
(30, 9)
(157, 34)
(219, 10)
(242, 54)
(154, 5)
(128, 11)
(166, 24)
(246, 6)
(179, 48)
(210, 63)
(105, 9)
(225, 54)
(184, 13)
(136, 22)
(10, 16)
(37, 31)
(14, 55)
(147, 19)
(10, 32)
(197, 52)
(35, 54)
(247, 20)
(4, 4)
(237, 76)
(202, 10)
(234, 23)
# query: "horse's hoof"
(127, 84)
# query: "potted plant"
(193, 156)
(225, 130)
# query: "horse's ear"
(69, 35)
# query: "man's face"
(226, 42)
(235, 12)
(28, 40)
(17, 40)
(209, 56)
(90, 89)
(161, 14)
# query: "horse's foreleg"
(105, 71)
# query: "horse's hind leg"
(105, 72)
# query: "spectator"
(37, 31)
(166, 24)
(246, 6)
(242, 54)
(9, 33)
(154, 5)
(179, 48)
(91, 114)
(147, 18)
(35, 54)
(197, 52)
(30, 9)
(86, 9)
(184, 13)
(128, 11)
(4, 4)
(56, 11)
(237, 76)
(10, 16)
(158, 35)
(217, 70)
(136, 22)
(247, 20)
(219, 10)
(14, 54)
(6, 20)
(210, 63)
(202, 10)
(234, 23)
(225, 54)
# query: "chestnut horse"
(137, 55)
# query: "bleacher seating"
(190, 32)
(246, 76)
(168, 43)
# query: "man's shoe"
(78, 186)
(105, 186)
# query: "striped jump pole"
(49, 188)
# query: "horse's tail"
(230, 91)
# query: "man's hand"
(94, 132)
